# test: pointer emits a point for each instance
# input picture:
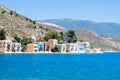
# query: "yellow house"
(5, 46)
(32, 48)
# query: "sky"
(95, 10)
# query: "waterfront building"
(53, 42)
(83, 47)
(62, 48)
(16, 47)
(70, 47)
(32, 48)
(95, 50)
(75, 48)
(87, 47)
(41, 47)
(5, 46)
(47, 47)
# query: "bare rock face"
(105, 43)
(16, 24)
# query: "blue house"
(41, 47)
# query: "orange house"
(32, 48)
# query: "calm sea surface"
(60, 67)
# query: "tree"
(2, 34)
(52, 35)
(71, 37)
(40, 39)
(62, 35)
(17, 39)
(55, 49)
(34, 22)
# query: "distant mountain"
(16, 24)
(101, 28)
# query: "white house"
(5, 46)
(16, 47)
(70, 47)
(62, 48)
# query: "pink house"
(47, 47)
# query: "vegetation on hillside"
(2, 34)
(52, 35)
(71, 36)
(55, 49)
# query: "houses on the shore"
(7, 46)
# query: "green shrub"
(55, 49)
(2, 34)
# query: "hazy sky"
(96, 10)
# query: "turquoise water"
(60, 67)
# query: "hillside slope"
(105, 43)
(16, 24)
(101, 28)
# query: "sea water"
(60, 66)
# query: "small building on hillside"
(53, 42)
(62, 48)
(47, 47)
(16, 47)
(41, 47)
(5, 46)
(32, 48)
(33, 38)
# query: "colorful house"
(47, 47)
(32, 48)
(62, 48)
(83, 47)
(41, 47)
(16, 47)
(53, 42)
(87, 46)
(5, 46)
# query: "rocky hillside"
(16, 24)
(106, 43)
